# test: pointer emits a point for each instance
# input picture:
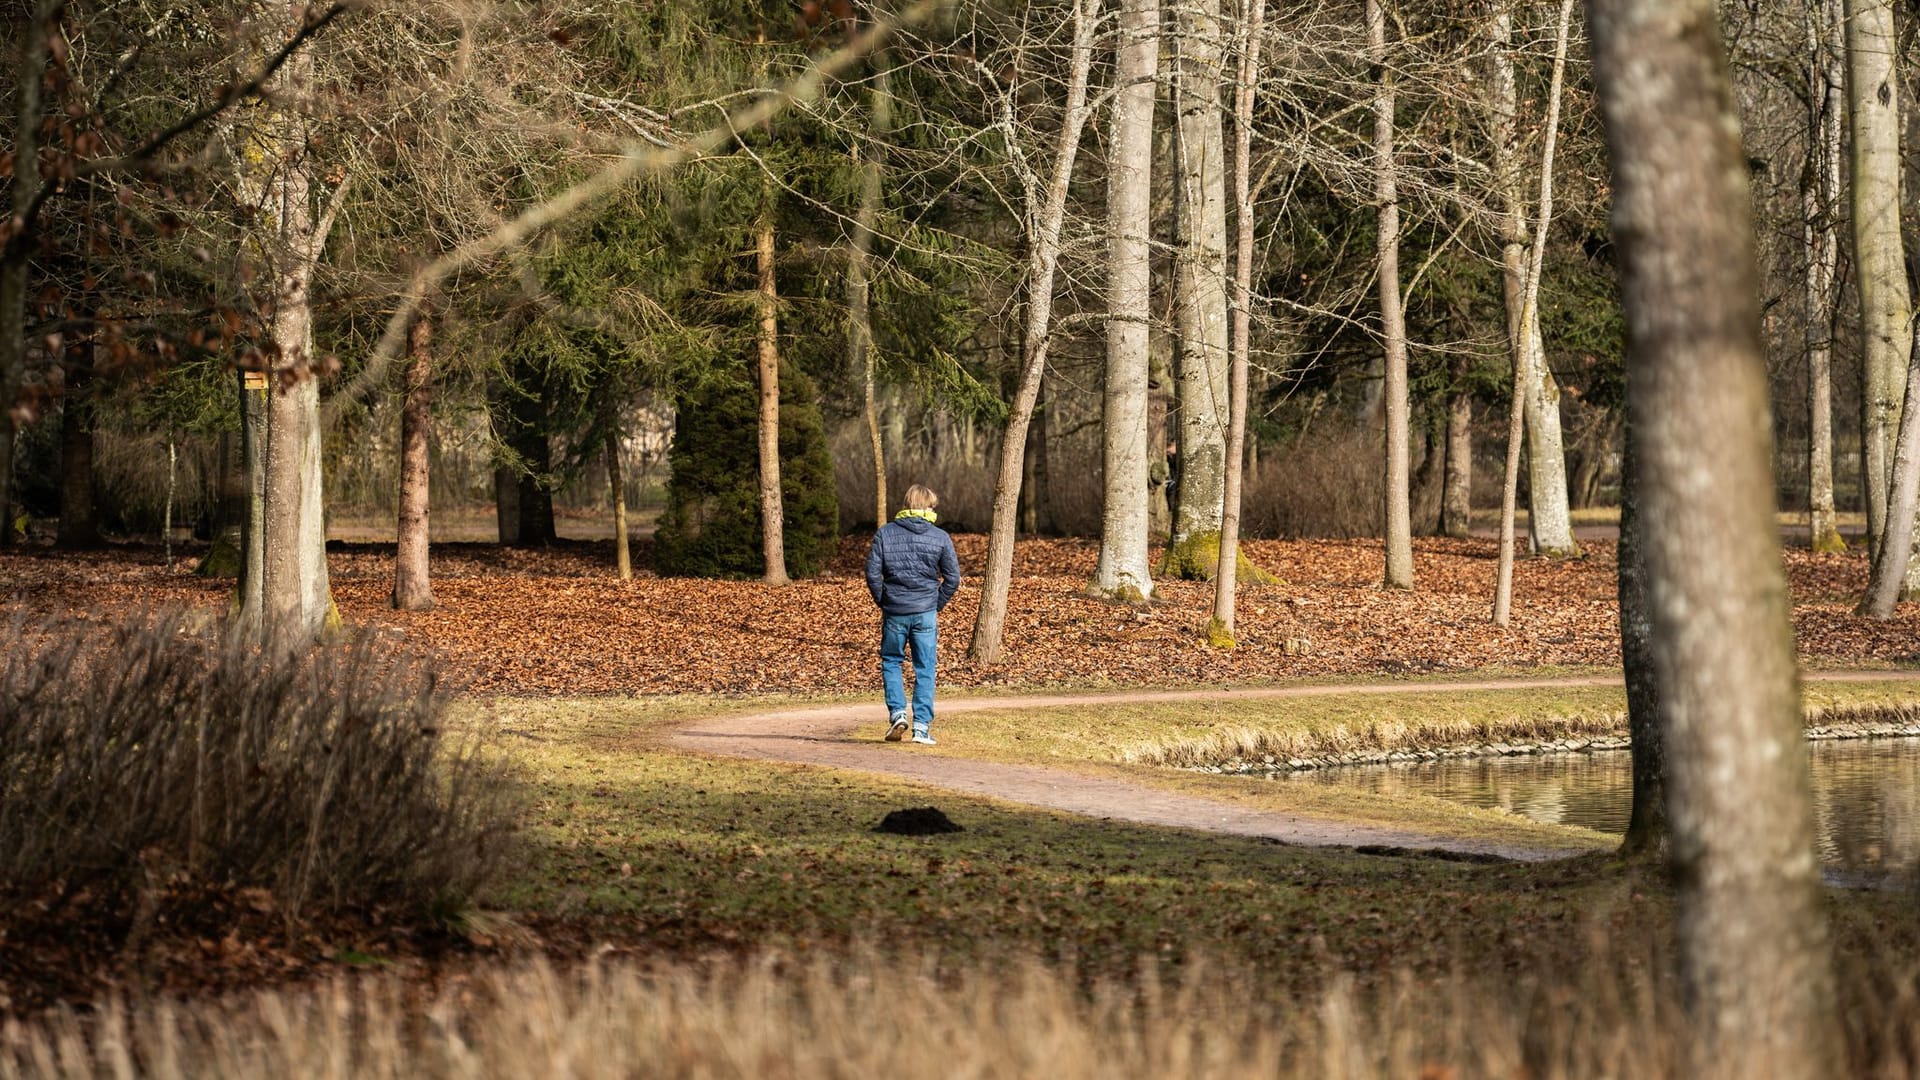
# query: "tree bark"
(1892, 556)
(1221, 628)
(412, 585)
(1873, 109)
(772, 510)
(1548, 517)
(1750, 915)
(506, 505)
(1200, 293)
(1528, 355)
(1456, 497)
(1826, 106)
(1043, 255)
(16, 248)
(860, 354)
(1398, 573)
(250, 601)
(1647, 833)
(1124, 571)
(617, 489)
(297, 600)
(79, 526)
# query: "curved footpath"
(822, 735)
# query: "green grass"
(683, 854)
(690, 853)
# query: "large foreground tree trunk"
(1043, 255)
(1220, 629)
(412, 587)
(1873, 109)
(1124, 571)
(772, 509)
(1751, 920)
(1200, 290)
(1398, 573)
(1826, 107)
(1647, 834)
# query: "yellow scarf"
(927, 516)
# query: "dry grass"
(143, 756)
(1241, 743)
(874, 1016)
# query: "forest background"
(882, 246)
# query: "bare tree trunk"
(1750, 916)
(1200, 290)
(1892, 556)
(859, 286)
(79, 527)
(250, 601)
(506, 505)
(1124, 572)
(1529, 355)
(412, 584)
(297, 600)
(1826, 106)
(1873, 107)
(772, 510)
(617, 489)
(17, 246)
(1220, 630)
(1393, 325)
(1548, 517)
(1043, 255)
(1456, 498)
(1647, 832)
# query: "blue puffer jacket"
(911, 567)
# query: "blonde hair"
(921, 497)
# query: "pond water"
(1866, 793)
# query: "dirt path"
(822, 735)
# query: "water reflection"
(1866, 793)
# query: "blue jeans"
(897, 634)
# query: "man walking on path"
(912, 573)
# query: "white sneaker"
(924, 739)
(898, 729)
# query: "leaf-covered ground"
(556, 621)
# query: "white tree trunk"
(1220, 630)
(1826, 106)
(1549, 518)
(412, 582)
(1398, 573)
(296, 600)
(1044, 224)
(1124, 571)
(1527, 356)
(1200, 289)
(1873, 108)
(1750, 915)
